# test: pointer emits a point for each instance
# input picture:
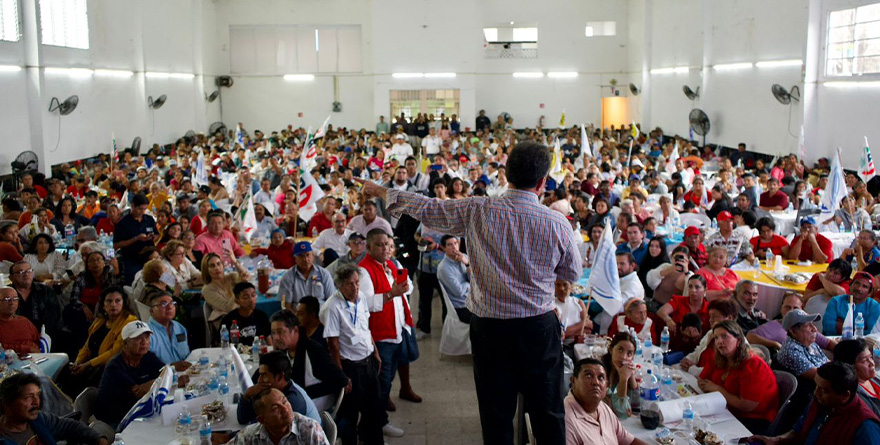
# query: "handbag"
(411, 348)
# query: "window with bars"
(64, 23)
(9, 30)
(853, 41)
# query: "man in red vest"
(386, 286)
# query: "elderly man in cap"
(860, 293)
(693, 241)
(132, 234)
(800, 354)
(129, 375)
(334, 241)
(306, 279)
(735, 242)
(809, 245)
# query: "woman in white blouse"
(174, 258)
(48, 264)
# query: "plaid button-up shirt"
(517, 248)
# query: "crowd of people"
(113, 257)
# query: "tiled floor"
(448, 414)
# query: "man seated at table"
(307, 313)
(809, 245)
(217, 239)
(274, 372)
(312, 368)
(698, 255)
(737, 246)
(16, 332)
(129, 375)
(22, 421)
(745, 296)
(773, 198)
(835, 415)
(588, 420)
(307, 278)
(635, 245)
(170, 343)
(252, 322)
(279, 423)
(635, 315)
(453, 275)
(772, 334)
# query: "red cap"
(724, 216)
(690, 231)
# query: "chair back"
(329, 427)
(85, 403)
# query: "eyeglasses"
(9, 299)
(166, 304)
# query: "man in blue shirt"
(861, 287)
(635, 244)
(453, 275)
(169, 340)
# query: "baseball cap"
(301, 247)
(807, 220)
(356, 236)
(724, 216)
(798, 316)
(134, 329)
(690, 231)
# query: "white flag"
(836, 188)
(604, 282)
(309, 194)
(151, 403)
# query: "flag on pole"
(670, 163)
(115, 149)
(866, 169)
(239, 136)
(151, 403)
(556, 171)
(604, 283)
(585, 147)
(247, 218)
(836, 188)
(309, 194)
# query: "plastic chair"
(329, 427)
(529, 430)
(143, 311)
(456, 337)
(338, 403)
(85, 403)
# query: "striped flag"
(151, 403)
(867, 170)
(604, 283)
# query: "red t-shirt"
(681, 307)
(815, 284)
(807, 248)
(775, 245)
(752, 380)
(779, 199)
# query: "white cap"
(134, 329)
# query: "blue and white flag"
(604, 283)
(151, 403)
(836, 188)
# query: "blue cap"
(301, 247)
(808, 220)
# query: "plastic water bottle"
(650, 387)
(118, 440)
(234, 333)
(203, 360)
(184, 424)
(860, 325)
(769, 258)
(687, 417)
(664, 339)
(224, 337)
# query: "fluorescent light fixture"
(299, 77)
(114, 73)
(9, 68)
(562, 74)
(779, 63)
(72, 72)
(528, 75)
(157, 75)
(408, 75)
(439, 75)
(853, 84)
(733, 66)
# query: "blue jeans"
(392, 357)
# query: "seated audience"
(252, 322)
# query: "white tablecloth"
(152, 431)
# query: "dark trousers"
(522, 355)
(363, 400)
(428, 283)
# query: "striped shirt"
(517, 248)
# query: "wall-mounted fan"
(699, 122)
(213, 96)
(156, 104)
(64, 108)
(786, 96)
(691, 94)
(634, 89)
